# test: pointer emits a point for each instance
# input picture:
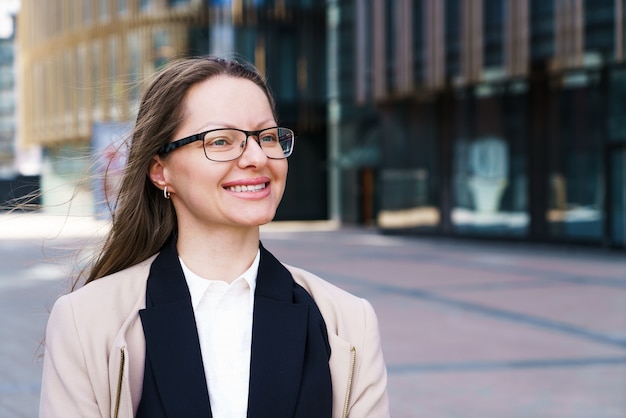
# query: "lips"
(247, 185)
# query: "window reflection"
(408, 169)
(575, 177)
(489, 162)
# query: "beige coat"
(95, 349)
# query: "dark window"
(493, 33)
(453, 37)
(600, 26)
(542, 29)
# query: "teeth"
(246, 188)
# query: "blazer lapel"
(279, 335)
(284, 382)
(172, 345)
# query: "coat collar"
(284, 318)
(279, 334)
(173, 357)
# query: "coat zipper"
(119, 384)
(350, 377)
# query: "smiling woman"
(183, 313)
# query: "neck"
(221, 254)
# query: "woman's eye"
(267, 138)
(218, 142)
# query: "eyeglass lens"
(228, 144)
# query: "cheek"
(192, 171)
(282, 175)
(281, 180)
(282, 169)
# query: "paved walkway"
(470, 329)
(484, 329)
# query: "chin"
(265, 221)
(257, 220)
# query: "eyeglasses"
(227, 144)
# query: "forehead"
(226, 99)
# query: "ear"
(156, 172)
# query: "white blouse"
(223, 314)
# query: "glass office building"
(84, 64)
(487, 118)
(478, 118)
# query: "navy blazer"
(289, 372)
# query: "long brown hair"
(142, 220)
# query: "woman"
(184, 313)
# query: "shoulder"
(342, 311)
(109, 299)
(120, 285)
(356, 358)
(320, 288)
(84, 329)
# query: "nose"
(253, 154)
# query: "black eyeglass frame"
(166, 149)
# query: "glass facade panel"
(494, 33)
(222, 38)
(82, 83)
(618, 197)
(617, 105)
(617, 135)
(96, 75)
(104, 9)
(198, 40)
(489, 161)
(72, 16)
(452, 26)
(176, 3)
(162, 48)
(122, 6)
(408, 174)
(115, 84)
(600, 26)
(135, 57)
(7, 123)
(86, 10)
(7, 78)
(7, 100)
(7, 52)
(419, 41)
(575, 174)
(542, 16)
(391, 43)
(357, 83)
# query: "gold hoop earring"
(166, 194)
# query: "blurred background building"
(84, 64)
(490, 118)
(18, 166)
(481, 118)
